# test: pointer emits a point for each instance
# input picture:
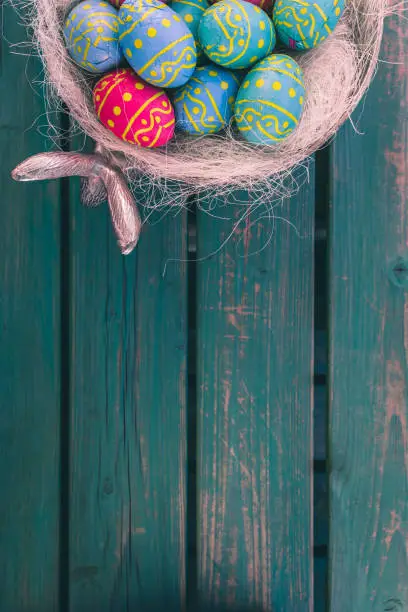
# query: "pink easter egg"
(133, 110)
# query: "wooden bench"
(176, 433)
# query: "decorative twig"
(125, 216)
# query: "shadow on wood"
(228, 608)
(153, 606)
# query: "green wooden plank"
(369, 332)
(128, 433)
(29, 348)
(255, 363)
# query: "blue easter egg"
(205, 104)
(303, 25)
(91, 35)
(270, 100)
(192, 11)
(156, 42)
(236, 34)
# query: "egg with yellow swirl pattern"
(192, 11)
(91, 33)
(236, 34)
(270, 100)
(118, 3)
(156, 42)
(304, 24)
(266, 5)
(205, 104)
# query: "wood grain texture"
(29, 347)
(255, 362)
(128, 433)
(369, 342)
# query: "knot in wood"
(393, 605)
(398, 272)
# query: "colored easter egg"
(236, 34)
(118, 3)
(205, 104)
(192, 11)
(301, 24)
(265, 5)
(270, 100)
(134, 110)
(156, 42)
(91, 35)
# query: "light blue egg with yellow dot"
(91, 34)
(156, 42)
(205, 104)
(236, 34)
(192, 11)
(304, 24)
(270, 100)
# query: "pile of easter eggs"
(197, 68)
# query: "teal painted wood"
(255, 446)
(128, 431)
(369, 335)
(29, 347)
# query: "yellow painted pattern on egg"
(141, 109)
(154, 119)
(287, 10)
(248, 34)
(167, 67)
(91, 17)
(307, 19)
(248, 115)
(165, 50)
(111, 88)
(190, 118)
(142, 18)
(279, 71)
(226, 52)
(198, 6)
(273, 105)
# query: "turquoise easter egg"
(205, 104)
(156, 42)
(91, 33)
(303, 25)
(270, 100)
(236, 34)
(192, 11)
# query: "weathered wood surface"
(128, 401)
(29, 347)
(254, 381)
(94, 516)
(369, 342)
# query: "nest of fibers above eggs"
(224, 95)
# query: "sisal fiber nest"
(337, 74)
